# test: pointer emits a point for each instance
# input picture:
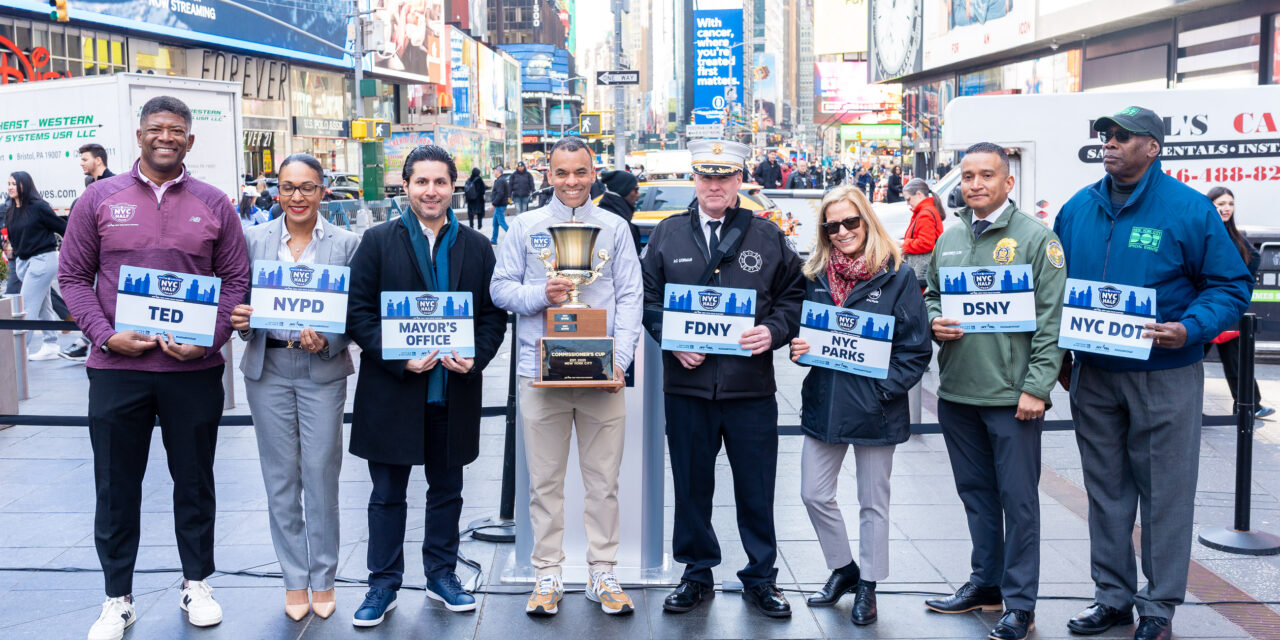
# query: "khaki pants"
(549, 417)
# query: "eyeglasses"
(850, 223)
(1120, 135)
(307, 189)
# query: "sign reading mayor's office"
(416, 324)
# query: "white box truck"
(1228, 137)
(43, 124)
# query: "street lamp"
(564, 83)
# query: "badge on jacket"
(1053, 251)
(540, 241)
(750, 261)
(1005, 251)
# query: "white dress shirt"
(308, 256)
(705, 220)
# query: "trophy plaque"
(577, 350)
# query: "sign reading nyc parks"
(293, 296)
(707, 319)
(999, 299)
(417, 323)
(847, 340)
(1105, 318)
(157, 302)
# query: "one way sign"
(617, 77)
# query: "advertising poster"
(414, 43)
(466, 145)
(460, 76)
(842, 88)
(765, 90)
(225, 24)
(396, 148)
(717, 64)
(957, 30)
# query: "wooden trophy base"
(577, 351)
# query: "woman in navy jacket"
(858, 266)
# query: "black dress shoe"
(1153, 628)
(837, 585)
(1015, 624)
(768, 599)
(864, 605)
(687, 596)
(968, 598)
(1099, 617)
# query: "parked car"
(341, 186)
(662, 198)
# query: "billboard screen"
(414, 44)
(543, 67)
(460, 76)
(842, 88)
(764, 90)
(955, 30)
(717, 64)
(225, 24)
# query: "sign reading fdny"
(997, 299)
(1107, 319)
(163, 302)
(853, 341)
(707, 319)
(293, 296)
(416, 324)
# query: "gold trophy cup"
(577, 350)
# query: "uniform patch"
(540, 241)
(1145, 238)
(1054, 253)
(1005, 251)
(750, 261)
(874, 296)
(123, 212)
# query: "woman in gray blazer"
(296, 382)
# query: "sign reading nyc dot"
(416, 324)
(154, 302)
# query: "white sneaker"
(197, 600)
(48, 351)
(117, 615)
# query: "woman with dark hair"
(1229, 341)
(250, 214)
(893, 191)
(296, 382)
(925, 226)
(474, 192)
(33, 230)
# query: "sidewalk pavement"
(46, 521)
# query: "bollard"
(914, 400)
(228, 378)
(19, 346)
(1240, 539)
(8, 373)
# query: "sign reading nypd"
(707, 319)
(293, 296)
(164, 302)
(998, 299)
(1105, 318)
(846, 340)
(417, 323)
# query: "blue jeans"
(499, 220)
(522, 203)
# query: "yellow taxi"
(662, 198)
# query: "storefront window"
(71, 52)
(318, 94)
(165, 61)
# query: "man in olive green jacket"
(993, 392)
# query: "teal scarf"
(437, 279)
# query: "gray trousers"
(299, 428)
(995, 458)
(1139, 438)
(38, 275)
(820, 464)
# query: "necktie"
(714, 226)
(979, 226)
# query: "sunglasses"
(1120, 135)
(850, 223)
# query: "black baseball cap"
(1138, 120)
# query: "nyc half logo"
(169, 284)
(123, 212)
(301, 275)
(540, 241)
(709, 299)
(427, 304)
(846, 320)
(1109, 296)
(984, 279)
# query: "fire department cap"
(718, 157)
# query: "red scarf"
(844, 272)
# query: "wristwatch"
(104, 348)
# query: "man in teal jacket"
(1138, 421)
(992, 394)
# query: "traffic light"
(369, 129)
(59, 12)
(859, 136)
(755, 126)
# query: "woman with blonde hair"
(858, 266)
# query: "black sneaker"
(75, 351)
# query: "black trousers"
(749, 431)
(996, 462)
(475, 217)
(388, 510)
(1229, 353)
(123, 408)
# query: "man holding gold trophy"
(570, 271)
